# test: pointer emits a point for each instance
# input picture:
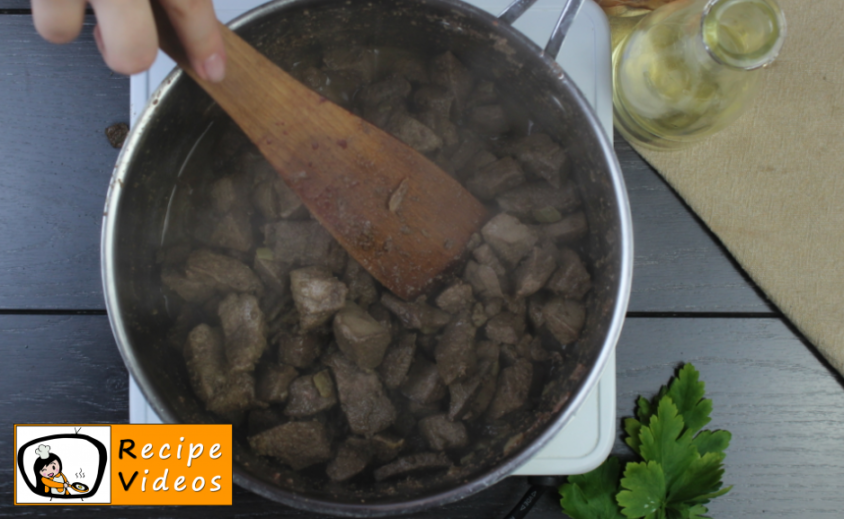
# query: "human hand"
(126, 34)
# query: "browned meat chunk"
(297, 350)
(469, 147)
(273, 381)
(238, 394)
(225, 274)
(318, 295)
(311, 394)
(456, 298)
(446, 131)
(510, 239)
(305, 244)
(416, 316)
(433, 98)
(443, 434)
(541, 157)
(206, 361)
(424, 384)
(413, 133)
(505, 328)
(534, 271)
(483, 279)
(297, 444)
(484, 396)
(484, 255)
(393, 370)
(455, 352)
(495, 178)
(413, 463)
(414, 70)
(274, 199)
(447, 71)
(489, 120)
(536, 199)
(274, 274)
(259, 420)
(352, 457)
(569, 229)
(394, 89)
(227, 194)
(513, 386)
(352, 58)
(196, 289)
(362, 397)
(483, 94)
(564, 318)
(362, 288)
(244, 330)
(363, 339)
(386, 447)
(571, 280)
(461, 396)
(233, 231)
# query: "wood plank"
(14, 4)
(679, 265)
(784, 407)
(57, 102)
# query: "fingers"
(125, 34)
(58, 21)
(198, 29)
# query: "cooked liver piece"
(238, 394)
(455, 351)
(361, 285)
(571, 280)
(434, 98)
(298, 444)
(393, 369)
(304, 244)
(272, 382)
(456, 298)
(413, 463)
(416, 316)
(299, 351)
(275, 274)
(318, 295)
(541, 157)
(363, 339)
(534, 271)
(489, 120)
(524, 201)
(571, 228)
(442, 434)
(424, 384)
(493, 179)
(206, 361)
(366, 406)
(233, 231)
(224, 273)
(244, 330)
(510, 239)
(564, 318)
(485, 282)
(409, 130)
(513, 387)
(447, 71)
(505, 328)
(352, 457)
(311, 394)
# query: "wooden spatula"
(400, 216)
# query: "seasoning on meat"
(272, 382)
(424, 384)
(571, 280)
(297, 350)
(393, 369)
(455, 351)
(564, 318)
(413, 463)
(244, 330)
(206, 361)
(442, 434)
(298, 444)
(416, 316)
(363, 339)
(511, 239)
(513, 387)
(534, 271)
(362, 398)
(352, 457)
(311, 394)
(318, 295)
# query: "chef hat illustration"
(43, 451)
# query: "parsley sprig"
(681, 465)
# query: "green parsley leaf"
(592, 495)
(633, 428)
(712, 441)
(665, 442)
(644, 493)
(686, 391)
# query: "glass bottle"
(690, 68)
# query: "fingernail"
(215, 68)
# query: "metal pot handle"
(518, 8)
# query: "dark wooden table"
(690, 303)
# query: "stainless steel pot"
(166, 133)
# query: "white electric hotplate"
(587, 439)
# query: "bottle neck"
(743, 34)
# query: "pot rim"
(479, 481)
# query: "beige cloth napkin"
(771, 186)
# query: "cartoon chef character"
(48, 470)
